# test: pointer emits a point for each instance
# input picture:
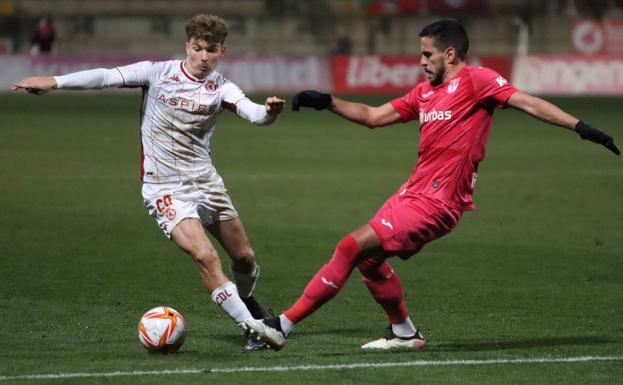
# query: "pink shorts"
(406, 222)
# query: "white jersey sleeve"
(133, 75)
(235, 100)
(90, 79)
(140, 74)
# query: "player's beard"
(438, 76)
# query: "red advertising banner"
(393, 74)
(597, 37)
(569, 75)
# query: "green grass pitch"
(536, 271)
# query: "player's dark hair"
(448, 33)
(210, 28)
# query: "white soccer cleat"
(268, 331)
(391, 341)
(254, 344)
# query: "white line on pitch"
(364, 365)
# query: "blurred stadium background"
(347, 46)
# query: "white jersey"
(178, 115)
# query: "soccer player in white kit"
(181, 188)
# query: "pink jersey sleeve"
(407, 105)
(489, 84)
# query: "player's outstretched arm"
(548, 112)
(310, 98)
(37, 85)
(355, 112)
(94, 79)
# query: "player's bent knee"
(374, 269)
(348, 246)
(208, 262)
(245, 255)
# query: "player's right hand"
(37, 85)
(588, 132)
(311, 98)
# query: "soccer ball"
(162, 329)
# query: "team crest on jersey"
(210, 86)
(454, 84)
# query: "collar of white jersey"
(189, 76)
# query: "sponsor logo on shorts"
(387, 223)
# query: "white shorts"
(204, 197)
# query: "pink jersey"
(455, 121)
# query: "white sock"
(246, 281)
(286, 325)
(227, 298)
(404, 329)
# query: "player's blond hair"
(210, 28)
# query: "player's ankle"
(404, 329)
(286, 324)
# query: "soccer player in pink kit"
(455, 110)
(181, 188)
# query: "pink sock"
(386, 288)
(327, 282)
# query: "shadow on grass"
(472, 345)
(520, 343)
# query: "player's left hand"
(274, 105)
(588, 132)
(37, 85)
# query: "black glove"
(310, 98)
(588, 132)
